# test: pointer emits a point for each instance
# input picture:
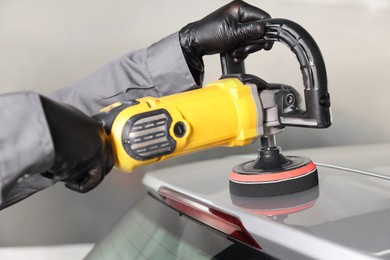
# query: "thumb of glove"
(89, 180)
(249, 31)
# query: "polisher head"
(273, 174)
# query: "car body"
(190, 213)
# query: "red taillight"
(212, 217)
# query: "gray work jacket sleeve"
(26, 147)
(158, 70)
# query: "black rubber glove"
(83, 155)
(223, 30)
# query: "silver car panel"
(346, 218)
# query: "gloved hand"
(83, 155)
(221, 31)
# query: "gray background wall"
(47, 44)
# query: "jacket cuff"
(168, 67)
(25, 138)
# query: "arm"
(158, 70)
(25, 147)
(39, 135)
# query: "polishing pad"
(278, 205)
(273, 174)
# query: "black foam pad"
(277, 188)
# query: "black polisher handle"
(312, 65)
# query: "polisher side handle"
(312, 65)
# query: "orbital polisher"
(236, 110)
(272, 173)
